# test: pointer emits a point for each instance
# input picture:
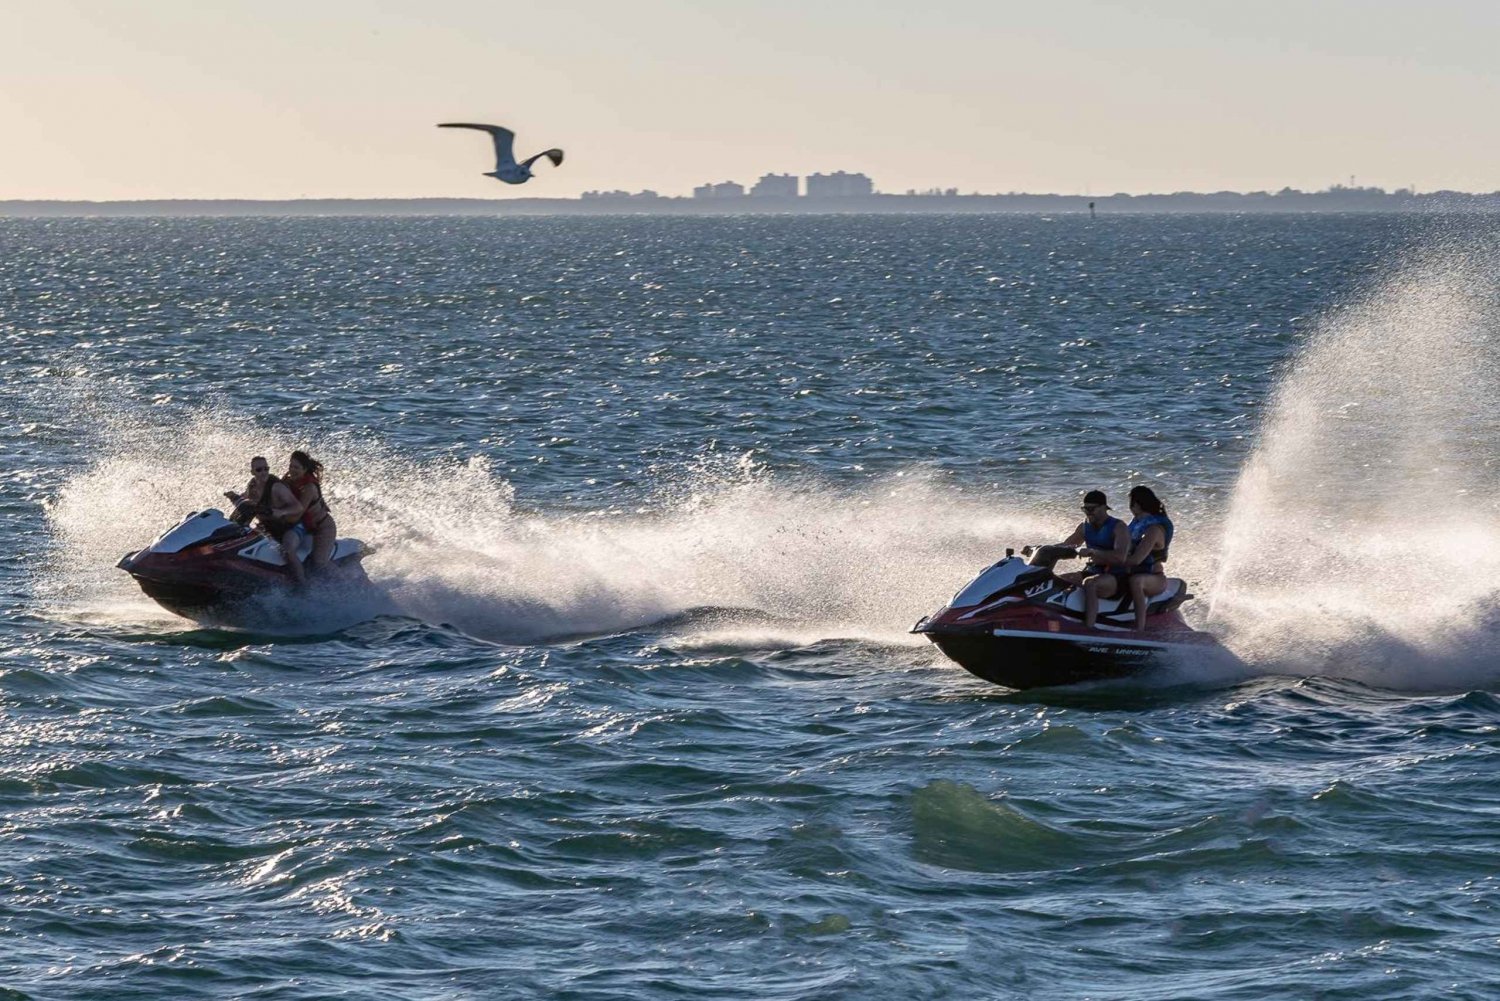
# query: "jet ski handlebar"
(1045, 556)
(243, 509)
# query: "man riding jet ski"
(209, 563)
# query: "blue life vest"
(1102, 537)
(1152, 563)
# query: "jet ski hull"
(1023, 659)
(190, 594)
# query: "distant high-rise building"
(724, 189)
(617, 195)
(775, 186)
(838, 185)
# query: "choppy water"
(632, 711)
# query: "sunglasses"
(260, 469)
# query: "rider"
(1150, 539)
(245, 504)
(269, 499)
(304, 475)
(1105, 544)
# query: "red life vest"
(311, 518)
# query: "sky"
(108, 99)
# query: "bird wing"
(504, 141)
(555, 155)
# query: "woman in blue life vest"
(1105, 542)
(1150, 539)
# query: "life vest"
(1154, 559)
(1101, 536)
(312, 513)
(273, 525)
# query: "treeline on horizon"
(1335, 199)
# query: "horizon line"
(1336, 190)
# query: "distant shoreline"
(1285, 201)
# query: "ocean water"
(631, 709)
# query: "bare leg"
(323, 539)
(289, 553)
(1144, 587)
(1101, 586)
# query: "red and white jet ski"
(208, 563)
(1017, 625)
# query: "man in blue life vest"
(1104, 541)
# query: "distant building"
(617, 195)
(838, 185)
(724, 189)
(775, 186)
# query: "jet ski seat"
(1109, 608)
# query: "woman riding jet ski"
(209, 563)
(1020, 626)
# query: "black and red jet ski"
(1017, 625)
(208, 563)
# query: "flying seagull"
(506, 167)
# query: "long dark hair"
(1145, 498)
(313, 466)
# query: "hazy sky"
(276, 99)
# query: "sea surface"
(631, 709)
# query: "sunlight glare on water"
(631, 708)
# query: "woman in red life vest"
(304, 476)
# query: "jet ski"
(208, 563)
(1018, 625)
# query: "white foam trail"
(866, 562)
(828, 562)
(1363, 537)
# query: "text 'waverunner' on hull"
(1017, 625)
(208, 563)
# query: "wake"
(810, 560)
(1363, 537)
